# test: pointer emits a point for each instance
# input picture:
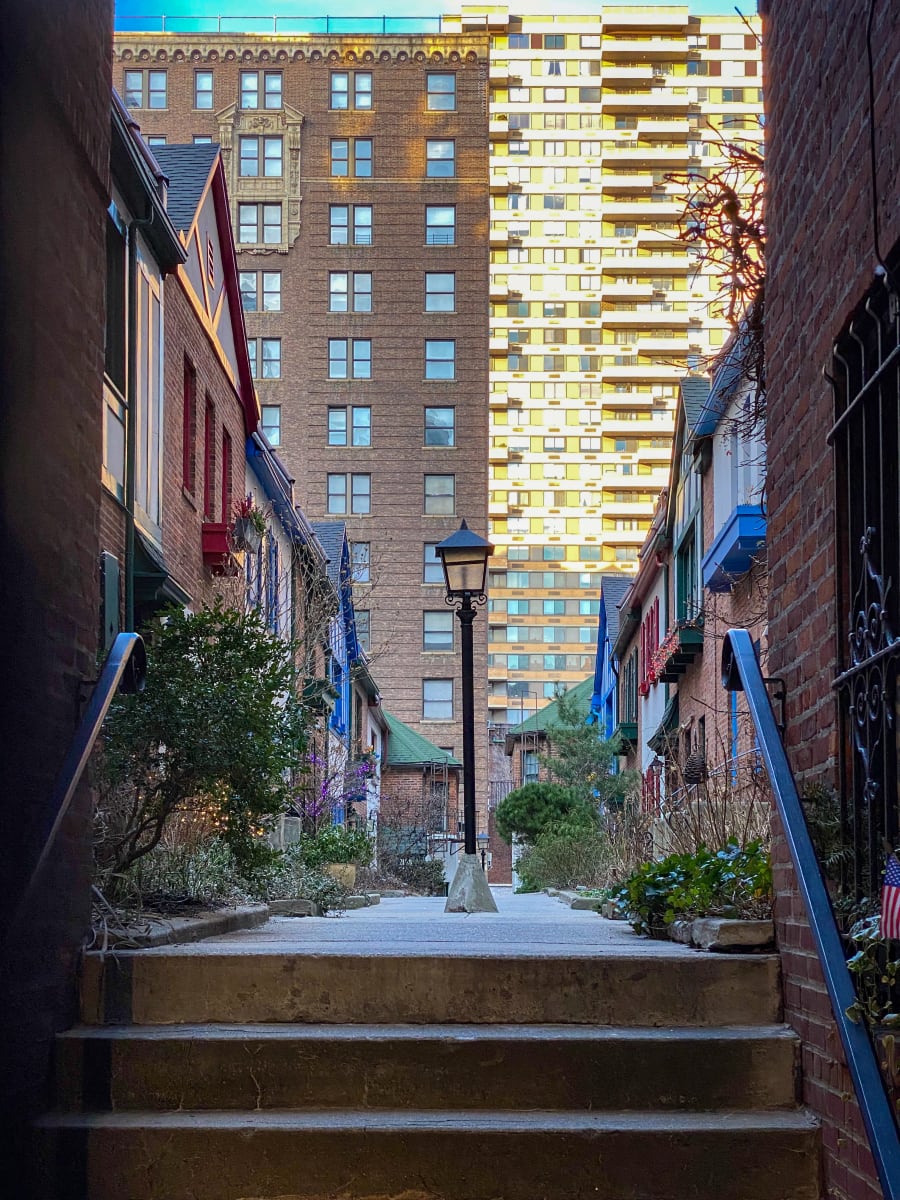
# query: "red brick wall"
(182, 515)
(820, 262)
(54, 129)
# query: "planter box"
(245, 535)
(218, 551)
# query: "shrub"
(206, 872)
(732, 882)
(214, 737)
(565, 855)
(527, 811)
(422, 875)
(336, 844)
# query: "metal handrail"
(125, 670)
(741, 672)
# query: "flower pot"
(245, 535)
(344, 873)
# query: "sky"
(137, 14)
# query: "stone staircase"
(221, 1072)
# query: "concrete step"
(475, 1156)
(424, 1067)
(219, 982)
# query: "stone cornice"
(279, 49)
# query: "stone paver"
(415, 925)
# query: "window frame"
(433, 360)
(434, 293)
(437, 429)
(444, 636)
(442, 697)
(433, 229)
(438, 163)
(433, 496)
(203, 92)
(450, 92)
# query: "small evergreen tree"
(583, 761)
(215, 736)
(527, 811)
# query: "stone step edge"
(403, 1032)
(180, 931)
(477, 1122)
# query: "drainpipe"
(130, 426)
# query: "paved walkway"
(417, 925)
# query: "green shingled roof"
(406, 748)
(549, 714)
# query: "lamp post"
(464, 557)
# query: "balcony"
(627, 732)
(678, 650)
(735, 546)
(664, 99)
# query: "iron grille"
(866, 444)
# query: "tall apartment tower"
(358, 177)
(597, 308)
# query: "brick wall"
(820, 262)
(185, 338)
(54, 128)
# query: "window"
(350, 218)
(732, 95)
(440, 224)
(256, 285)
(437, 699)
(254, 219)
(202, 139)
(554, 41)
(554, 608)
(440, 291)
(189, 427)
(360, 562)
(156, 140)
(271, 423)
(270, 357)
(203, 89)
(272, 89)
(145, 89)
(440, 158)
(440, 91)
(440, 360)
(554, 201)
(432, 571)
(350, 291)
(437, 631)
(440, 495)
(359, 419)
(440, 426)
(590, 95)
(349, 358)
(359, 489)
(225, 508)
(272, 151)
(363, 629)
(520, 120)
(554, 95)
(518, 41)
(351, 89)
(209, 428)
(351, 156)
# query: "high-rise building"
(597, 306)
(358, 179)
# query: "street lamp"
(464, 557)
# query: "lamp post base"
(469, 891)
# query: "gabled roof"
(406, 748)
(331, 535)
(730, 371)
(549, 714)
(187, 169)
(614, 586)
(694, 394)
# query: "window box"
(734, 547)
(680, 647)
(219, 553)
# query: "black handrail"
(741, 672)
(125, 670)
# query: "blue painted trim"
(735, 544)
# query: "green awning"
(667, 726)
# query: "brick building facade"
(358, 175)
(54, 128)
(821, 261)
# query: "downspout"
(130, 428)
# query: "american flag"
(890, 899)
